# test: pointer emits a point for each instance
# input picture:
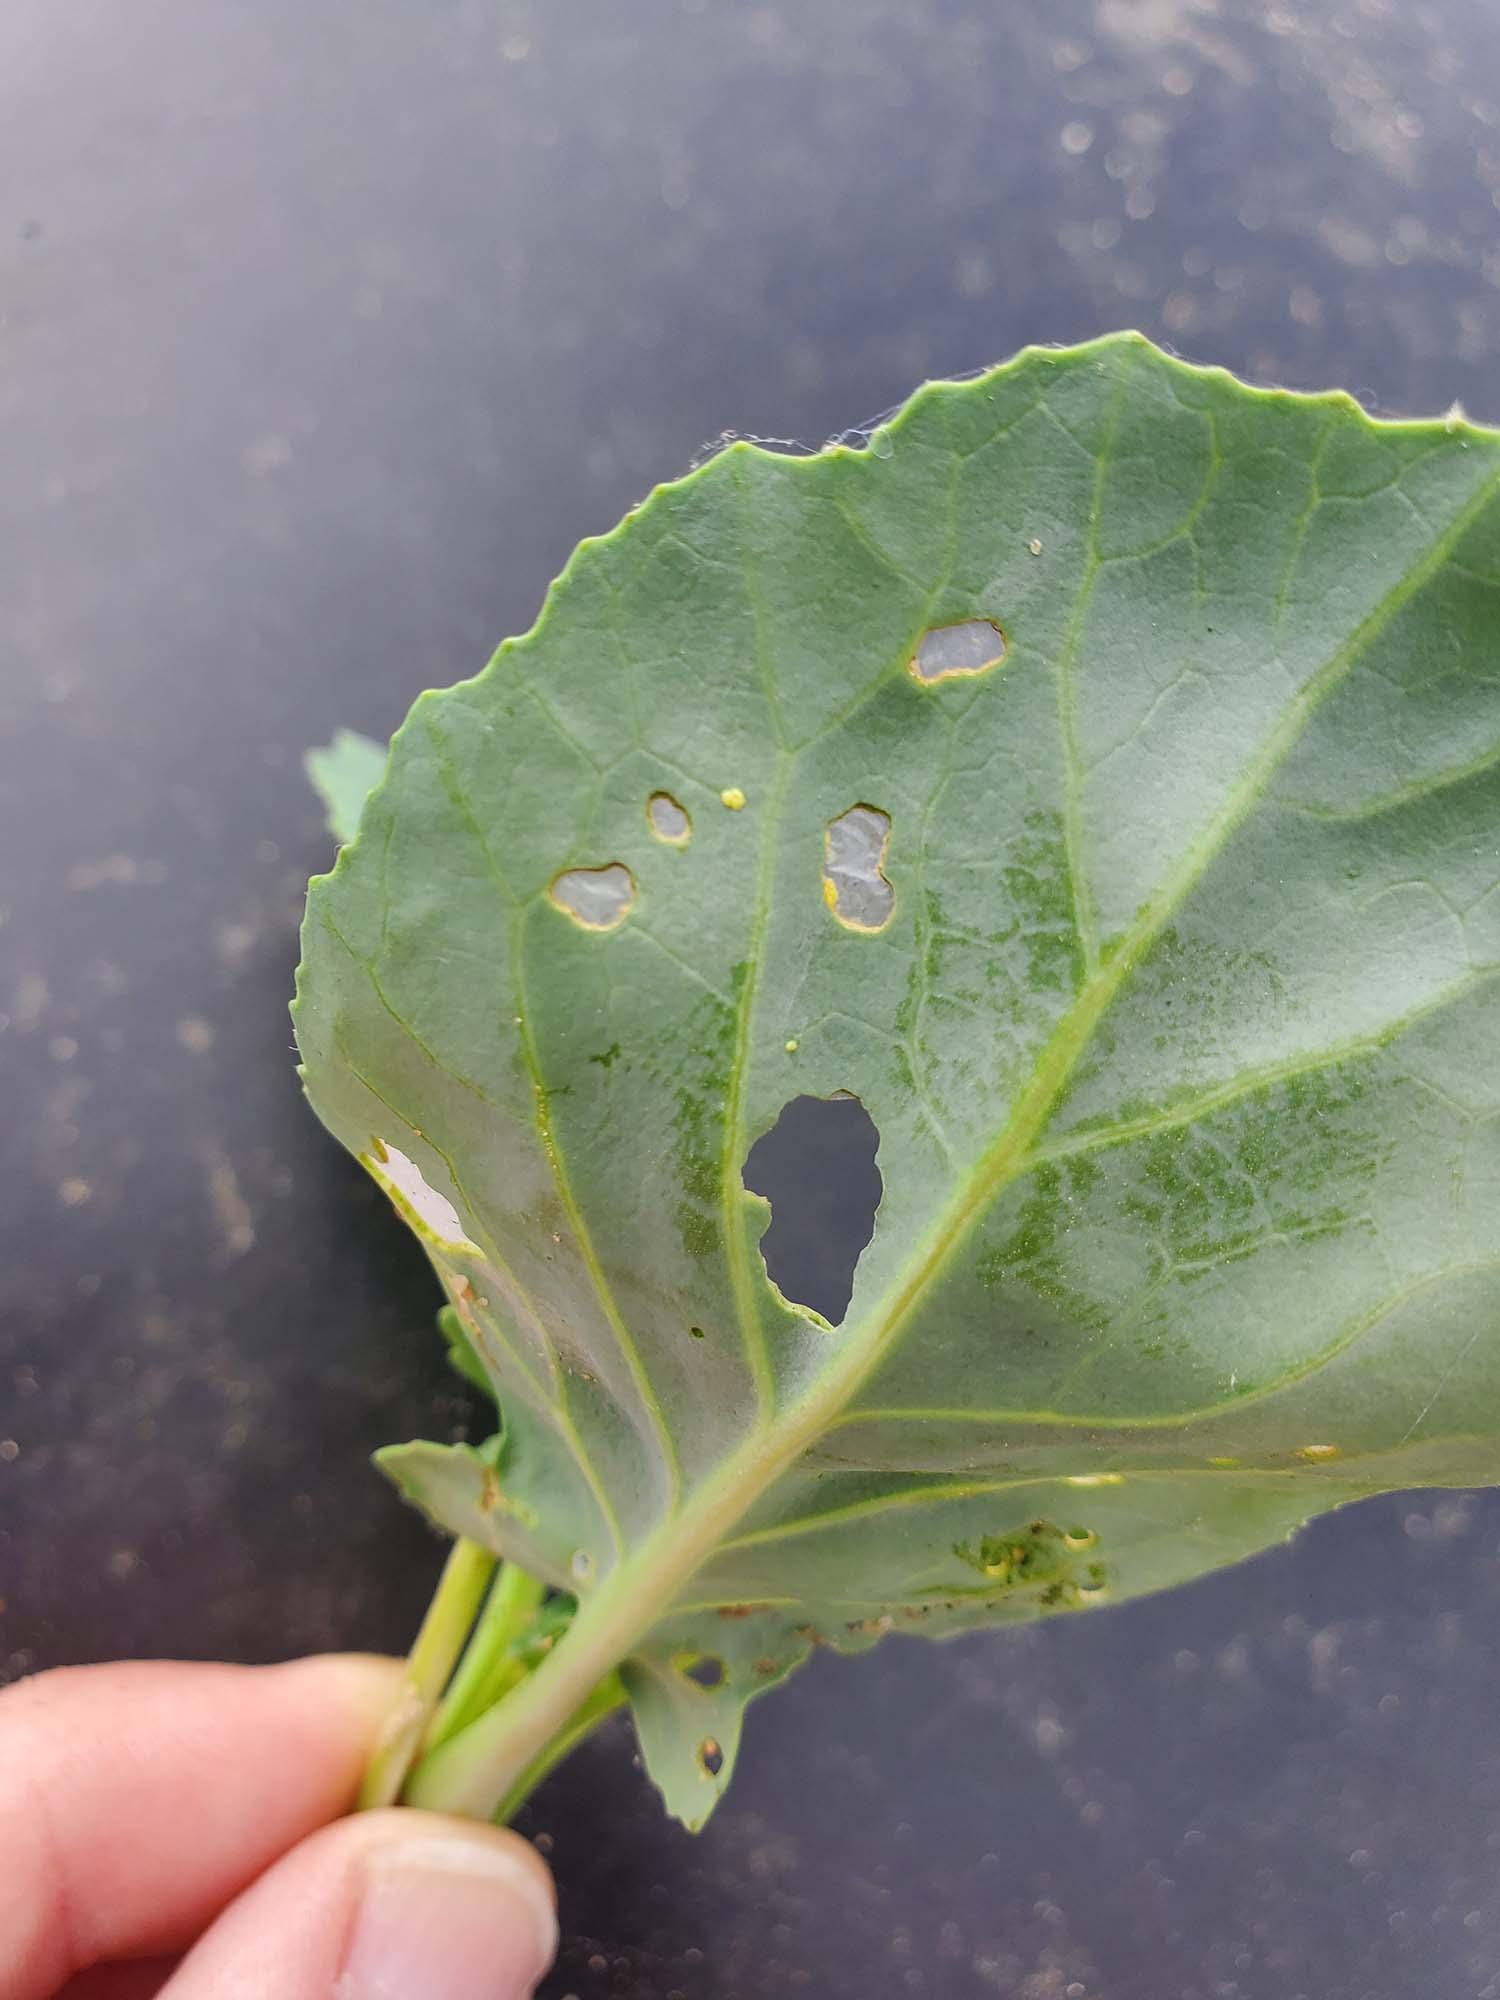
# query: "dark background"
(325, 331)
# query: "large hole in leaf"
(816, 1167)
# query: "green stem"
(476, 1771)
(466, 1577)
(601, 1704)
(489, 1667)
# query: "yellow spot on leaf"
(732, 797)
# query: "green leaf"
(1172, 715)
(343, 774)
(463, 1356)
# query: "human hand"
(165, 1831)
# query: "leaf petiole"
(449, 1620)
(491, 1665)
(601, 1704)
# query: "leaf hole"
(705, 1670)
(581, 1566)
(948, 651)
(711, 1757)
(816, 1167)
(855, 888)
(598, 899)
(668, 820)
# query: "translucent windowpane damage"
(668, 820)
(854, 884)
(599, 899)
(401, 1176)
(972, 647)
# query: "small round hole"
(669, 820)
(706, 1671)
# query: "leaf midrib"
(681, 1543)
(1010, 1154)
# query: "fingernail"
(448, 1918)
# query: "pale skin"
(174, 1832)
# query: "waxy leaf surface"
(1157, 721)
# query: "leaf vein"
(603, 1292)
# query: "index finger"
(136, 1800)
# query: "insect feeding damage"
(402, 1178)
(597, 899)
(668, 820)
(855, 887)
(948, 651)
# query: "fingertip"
(405, 1827)
(361, 1684)
(386, 1904)
(215, 1770)
(449, 1908)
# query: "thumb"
(385, 1906)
